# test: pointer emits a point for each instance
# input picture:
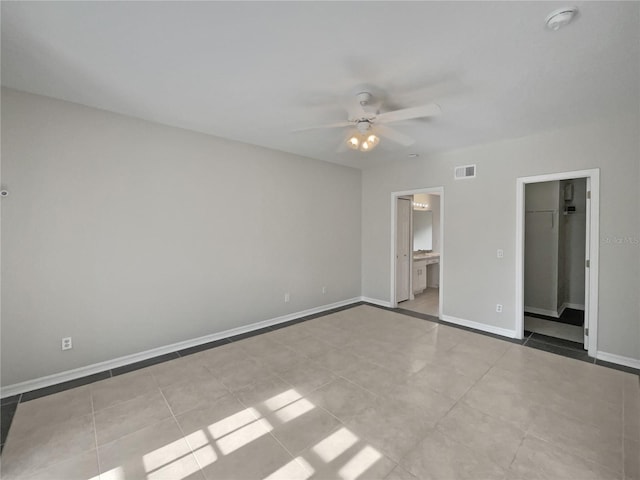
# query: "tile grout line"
(575, 454)
(95, 433)
(337, 376)
(529, 433)
(342, 423)
(314, 336)
(184, 437)
(453, 405)
(508, 469)
(493, 365)
(459, 401)
(345, 308)
(270, 432)
(526, 431)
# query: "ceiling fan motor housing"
(369, 124)
(363, 126)
(364, 98)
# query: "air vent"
(466, 171)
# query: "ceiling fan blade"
(330, 125)
(430, 110)
(394, 135)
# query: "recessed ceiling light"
(413, 155)
(561, 17)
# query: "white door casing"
(586, 263)
(403, 248)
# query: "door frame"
(394, 226)
(591, 251)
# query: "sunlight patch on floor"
(206, 455)
(281, 400)
(158, 458)
(175, 470)
(233, 422)
(294, 410)
(296, 469)
(113, 474)
(243, 436)
(335, 444)
(360, 463)
(197, 439)
(240, 429)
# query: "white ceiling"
(256, 71)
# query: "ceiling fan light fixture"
(364, 118)
(362, 142)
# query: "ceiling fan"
(370, 124)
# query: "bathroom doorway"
(417, 251)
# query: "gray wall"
(563, 248)
(480, 218)
(543, 256)
(128, 235)
(575, 229)
(433, 270)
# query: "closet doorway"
(556, 254)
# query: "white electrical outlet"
(499, 308)
(324, 290)
(286, 297)
(500, 253)
(66, 343)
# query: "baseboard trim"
(503, 332)
(618, 359)
(92, 369)
(541, 311)
(375, 301)
(574, 306)
(561, 310)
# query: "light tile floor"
(425, 302)
(364, 393)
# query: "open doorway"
(556, 254)
(554, 259)
(417, 251)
